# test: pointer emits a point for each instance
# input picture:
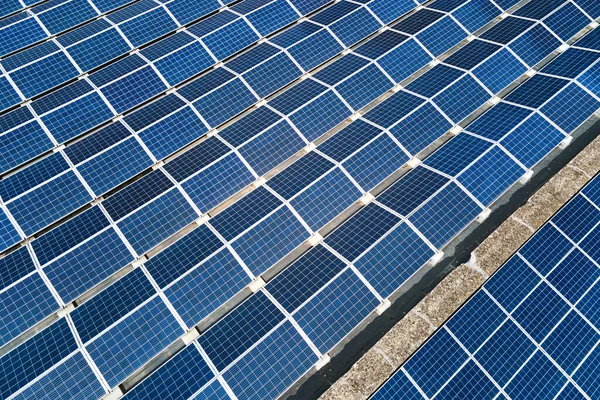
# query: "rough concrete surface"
(396, 346)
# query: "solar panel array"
(271, 339)
(531, 331)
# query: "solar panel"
(219, 254)
(531, 328)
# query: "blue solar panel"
(536, 91)
(231, 336)
(475, 14)
(329, 196)
(217, 182)
(530, 330)
(315, 49)
(134, 340)
(272, 147)
(101, 311)
(305, 277)
(491, 175)
(358, 96)
(355, 26)
(439, 221)
(88, 265)
(534, 45)
(361, 231)
(14, 266)
(499, 70)
(498, 121)
(569, 107)
(266, 243)
(336, 310)
(434, 80)
(245, 213)
(214, 282)
(375, 162)
(35, 356)
(472, 54)
(461, 98)
(68, 235)
(412, 190)
(507, 30)
(272, 366)
(567, 21)
(349, 140)
(419, 129)
(457, 154)
(441, 36)
(571, 63)
(520, 142)
(418, 21)
(25, 304)
(381, 44)
(394, 259)
(404, 60)
(320, 115)
(197, 273)
(156, 221)
(393, 108)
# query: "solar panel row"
(189, 113)
(232, 230)
(532, 331)
(193, 49)
(44, 21)
(90, 230)
(325, 310)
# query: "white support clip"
(259, 182)
(494, 100)
(203, 219)
(323, 361)
(437, 257)
(315, 239)
(565, 142)
(563, 47)
(526, 176)
(367, 198)
(531, 72)
(413, 162)
(65, 310)
(115, 394)
(158, 165)
(310, 147)
(456, 130)
(139, 261)
(190, 336)
(385, 304)
(256, 284)
(484, 215)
